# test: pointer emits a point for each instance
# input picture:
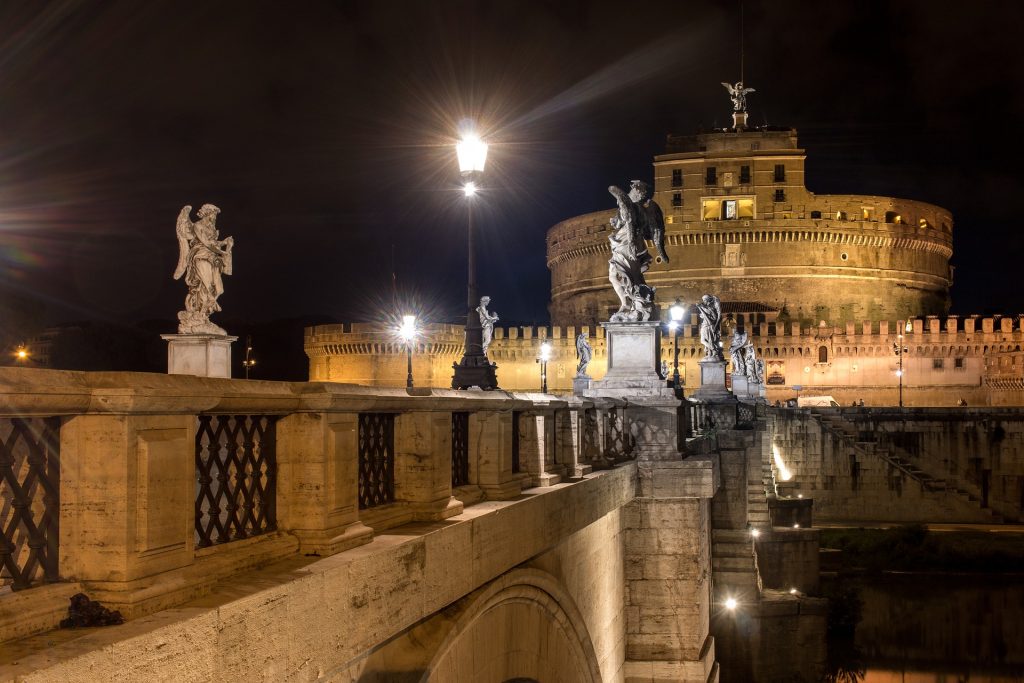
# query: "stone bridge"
(313, 531)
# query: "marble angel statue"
(203, 259)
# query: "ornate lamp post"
(899, 349)
(543, 358)
(474, 370)
(249, 361)
(408, 331)
(677, 311)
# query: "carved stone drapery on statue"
(638, 219)
(203, 259)
(710, 309)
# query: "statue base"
(202, 355)
(712, 381)
(739, 385)
(739, 120)
(581, 384)
(474, 371)
(633, 350)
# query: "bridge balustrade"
(143, 491)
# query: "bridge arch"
(523, 625)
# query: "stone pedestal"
(581, 385)
(739, 384)
(712, 381)
(739, 120)
(632, 361)
(651, 413)
(203, 355)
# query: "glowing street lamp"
(21, 354)
(543, 358)
(676, 312)
(249, 361)
(407, 332)
(899, 349)
(473, 370)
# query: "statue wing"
(186, 232)
(748, 90)
(728, 86)
(654, 228)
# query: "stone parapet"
(153, 468)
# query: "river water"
(933, 629)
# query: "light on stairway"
(730, 603)
(755, 533)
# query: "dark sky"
(323, 130)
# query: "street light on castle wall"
(899, 349)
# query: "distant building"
(825, 284)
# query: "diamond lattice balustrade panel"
(460, 449)
(236, 475)
(376, 459)
(590, 433)
(29, 500)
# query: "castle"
(837, 292)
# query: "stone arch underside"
(522, 625)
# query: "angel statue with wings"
(738, 95)
(203, 258)
(639, 218)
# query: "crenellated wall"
(974, 359)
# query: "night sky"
(324, 132)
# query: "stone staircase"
(868, 444)
(734, 563)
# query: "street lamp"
(249, 360)
(473, 370)
(545, 356)
(407, 331)
(677, 311)
(21, 353)
(899, 349)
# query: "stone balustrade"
(148, 489)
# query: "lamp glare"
(472, 153)
(469, 189)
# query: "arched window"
(822, 354)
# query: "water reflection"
(926, 629)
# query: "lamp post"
(249, 360)
(473, 370)
(408, 331)
(543, 358)
(899, 349)
(677, 311)
(21, 354)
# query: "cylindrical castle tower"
(741, 224)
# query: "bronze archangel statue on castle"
(639, 219)
(738, 95)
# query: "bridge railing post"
(318, 481)
(490, 448)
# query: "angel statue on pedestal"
(710, 309)
(203, 258)
(638, 219)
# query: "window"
(822, 354)
(744, 175)
(780, 173)
(893, 217)
(710, 176)
(868, 213)
(840, 215)
(936, 363)
(958, 363)
(677, 199)
(924, 224)
(677, 177)
(729, 210)
(780, 195)
(815, 215)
